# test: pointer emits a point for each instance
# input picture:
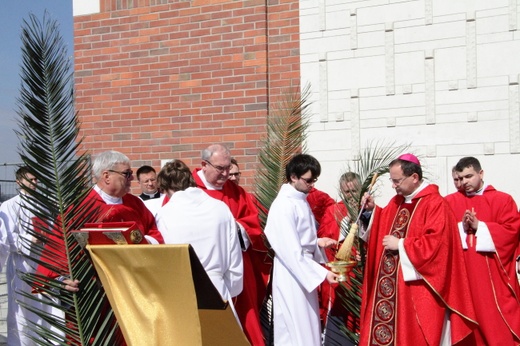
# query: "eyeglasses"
(236, 175)
(309, 180)
(220, 169)
(126, 174)
(398, 182)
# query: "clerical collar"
(408, 199)
(106, 197)
(205, 182)
(479, 192)
(146, 196)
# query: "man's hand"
(71, 285)
(470, 221)
(332, 278)
(326, 242)
(390, 242)
(368, 202)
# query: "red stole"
(384, 318)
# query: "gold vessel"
(341, 268)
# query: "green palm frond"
(50, 146)
(286, 132)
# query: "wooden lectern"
(161, 295)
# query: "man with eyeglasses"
(234, 172)
(213, 178)
(489, 227)
(112, 198)
(415, 289)
(111, 170)
(17, 221)
(297, 272)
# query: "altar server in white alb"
(15, 244)
(291, 231)
(191, 216)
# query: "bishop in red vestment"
(213, 179)
(415, 279)
(489, 227)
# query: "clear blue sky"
(12, 15)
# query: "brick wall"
(161, 79)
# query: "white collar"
(408, 199)
(205, 182)
(106, 197)
(480, 191)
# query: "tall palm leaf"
(286, 132)
(374, 159)
(49, 140)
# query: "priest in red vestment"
(213, 179)
(489, 228)
(415, 289)
(111, 194)
(319, 201)
(335, 224)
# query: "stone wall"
(439, 75)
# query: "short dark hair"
(175, 175)
(234, 162)
(468, 161)
(21, 173)
(143, 170)
(408, 167)
(301, 164)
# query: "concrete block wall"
(439, 75)
(162, 79)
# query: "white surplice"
(154, 204)
(14, 240)
(193, 217)
(291, 231)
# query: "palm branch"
(286, 131)
(287, 123)
(48, 133)
(374, 159)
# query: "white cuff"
(151, 239)
(409, 272)
(484, 240)
(245, 236)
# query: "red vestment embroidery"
(383, 320)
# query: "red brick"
(165, 81)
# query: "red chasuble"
(415, 310)
(492, 275)
(132, 209)
(256, 266)
(319, 201)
